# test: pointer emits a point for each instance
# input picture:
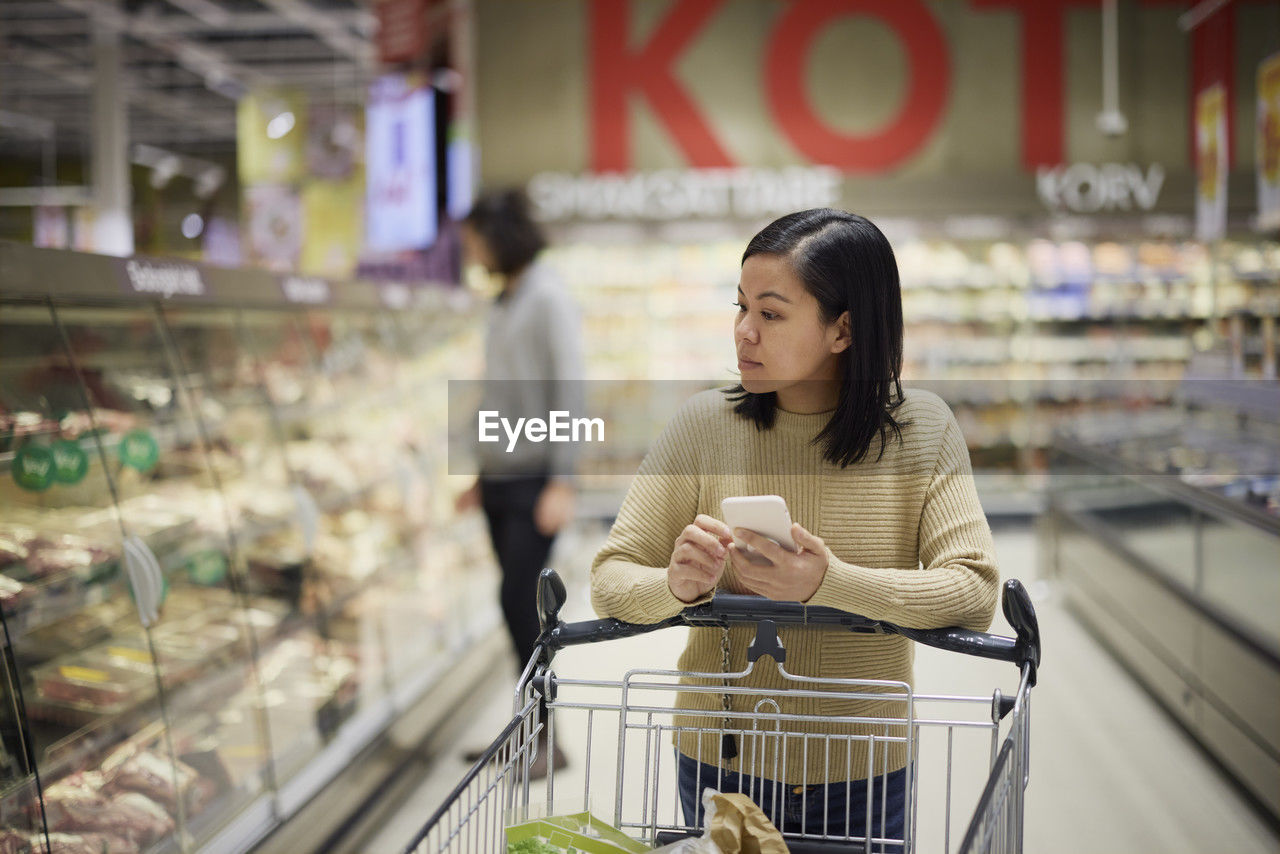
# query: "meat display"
(13, 545)
(13, 593)
(103, 688)
(76, 803)
(152, 775)
(27, 555)
(12, 842)
(90, 843)
(147, 820)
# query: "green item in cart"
(580, 832)
(532, 846)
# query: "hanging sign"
(1268, 158)
(306, 290)
(162, 278)
(1211, 163)
(400, 164)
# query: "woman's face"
(782, 342)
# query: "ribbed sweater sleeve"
(956, 583)
(629, 574)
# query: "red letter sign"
(1042, 64)
(927, 89)
(617, 71)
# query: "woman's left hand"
(787, 576)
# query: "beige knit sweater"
(907, 543)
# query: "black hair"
(501, 218)
(848, 265)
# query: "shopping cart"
(626, 773)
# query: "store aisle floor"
(1110, 771)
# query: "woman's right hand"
(698, 559)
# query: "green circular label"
(70, 462)
(207, 567)
(138, 449)
(33, 468)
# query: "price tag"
(33, 468)
(70, 462)
(129, 654)
(139, 450)
(83, 674)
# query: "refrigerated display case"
(1163, 526)
(228, 560)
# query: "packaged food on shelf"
(73, 632)
(13, 593)
(100, 689)
(87, 843)
(175, 661)
(146, 820)
(16, 842)
(83, 803)
(151, 774)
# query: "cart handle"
(733, 609)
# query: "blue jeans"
(799, 809)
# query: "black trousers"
(522, 553)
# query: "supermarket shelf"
(78, 595)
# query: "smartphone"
(765, 514)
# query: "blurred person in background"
(887, 521)
(533, 366)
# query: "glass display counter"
(1164, 527)
(228, 557)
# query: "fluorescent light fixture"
(192, 226)
(164, 170)
(280, 125)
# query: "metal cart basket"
(627, 776)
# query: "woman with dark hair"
(533, 366)
(887, 521)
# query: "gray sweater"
(533, 366)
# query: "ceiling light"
(164, 170)
(192, 226)
(209, 181)
(280, 125)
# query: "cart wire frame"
(498, 788)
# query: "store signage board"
(1268, 156)
(402, 30)
(1100, 188)
(1211, 163)
(306, 290)
(677, 194)
(400, 164)
(165, 279)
